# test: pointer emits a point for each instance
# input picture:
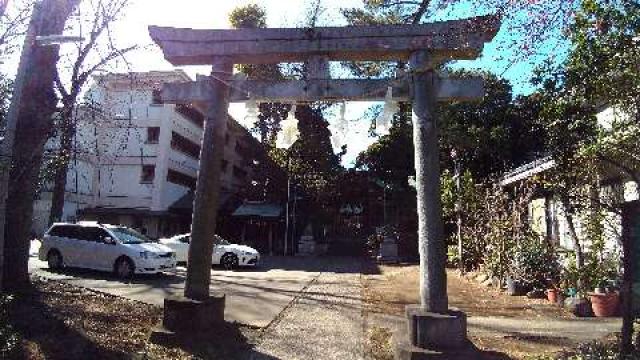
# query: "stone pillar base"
(430, 330)
(405, 351)
(184, 316)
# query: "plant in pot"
(571, 278)
(605, 299)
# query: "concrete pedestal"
(388, 250)
(406, 351)
(435, 336)
(184, 317)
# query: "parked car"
(104, 247)
(224, 253)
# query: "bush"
(596, 272)
(536, 263)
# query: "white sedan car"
(224, 253)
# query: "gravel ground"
(324, 322)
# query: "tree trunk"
(60, 177)
(35, 108)
(577, 247)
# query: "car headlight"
(248, 253)
(149, 255)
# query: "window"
(179, 178)
(66, 231)
(94, 234)
(153, 135)
(184, 145)
(156, 97)
(148, 174)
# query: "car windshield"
(129, 236)
(220, 241)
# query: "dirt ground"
(59, 321)
(397, 286)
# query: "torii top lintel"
(455, 39)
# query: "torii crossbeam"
(432, 325)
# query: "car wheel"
(229, 261)
(124, 268)
(54, 260)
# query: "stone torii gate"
(431, 324)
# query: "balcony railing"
(190, 113)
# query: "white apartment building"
(136, 159)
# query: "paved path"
(324, 322)
(254, 297)
(577, 330)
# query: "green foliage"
(391, 158)
(536, 262)
(494, 134)
(250, 16)
(597, 271)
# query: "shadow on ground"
(333, 264)
(46, 332)
(225, 342)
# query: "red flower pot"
(552, 295)
(604, 305)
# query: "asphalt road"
(254, 297)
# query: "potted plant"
(604, 304)
(553, 294)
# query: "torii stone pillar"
(431, 245)
(434, 329)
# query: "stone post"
(431, 244)
(205, 207)
(435, 332)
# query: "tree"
(311, 161)
(92, 54)
(391, 158)
(494, 134)
(33, 105)
(535, 27)
(270, 113)
(602, 70)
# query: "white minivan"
(104, 247)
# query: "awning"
(184, 205)
(259, 210)
(104, 211)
